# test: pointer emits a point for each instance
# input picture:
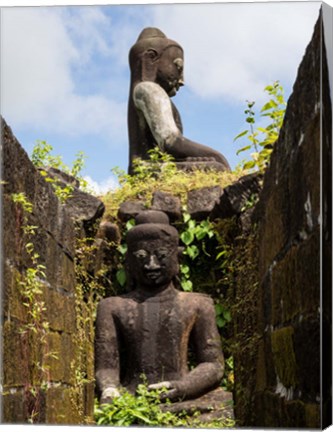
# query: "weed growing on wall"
(35, 330)
(41, 157)
(89, 290)
(262, 138)
(160, 174)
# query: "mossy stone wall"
(284, 390)
(40, 380)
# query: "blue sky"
(65, 76)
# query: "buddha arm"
(155, 105)
(106, 352)
(209, 371)
(207, 345)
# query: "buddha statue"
(156, 64)
(149, 330)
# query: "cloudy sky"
(65, 75)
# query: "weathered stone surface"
(202, 166)
(60, 311)
(109, 231)
(215, 404)
(129, 209)
(13, 406)
(24, 350)
(85, 208)
(15, 361)
(61, 177)
(168, 204)
(239, 196)
(80, 206)
(62, 348)
(149, 328)
(201, 202)
(61, 407)
(156, 64)
(287, 384)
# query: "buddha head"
(152, 254)
(156, 58)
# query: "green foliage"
(262, 139)
(36, 328)
(144, 409)
(160, 173)
(228, 378)
(91, 280)
(41, 157)
(223, 315)
(194, 236)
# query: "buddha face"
(153, 263)
(170, 70)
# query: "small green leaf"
(240, 135)
(227, 316)
(121, 276)
(220, 322)
(187, 285)
(187, 237)
(243, 149)
(192, 251)
(249, 165)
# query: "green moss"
(177, 183)
(284, 356)
(312, 415)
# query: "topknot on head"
(150, 32)
(152, 216)
(152, 225)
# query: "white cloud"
(62, 69)
(40, 48)
(101, 188)
(235, 50)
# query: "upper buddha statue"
(157, 65)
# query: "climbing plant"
(262, 138)
(35, 329)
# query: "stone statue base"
(216, 404)
(201, 165)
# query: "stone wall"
(285, 344)
(44, 379)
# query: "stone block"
(307, 350)
(129, 209)
(13, 407)
(201, 202)
(313, 416)
(237, 197)
(15, 355)
(86, 209)
(12, 300)
(284, 356)
(60, 345)
(294, 412)
(60, 311)
(109, 232)
(286, 297)
(168, 204)
(62, 407)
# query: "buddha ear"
(149, 65)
